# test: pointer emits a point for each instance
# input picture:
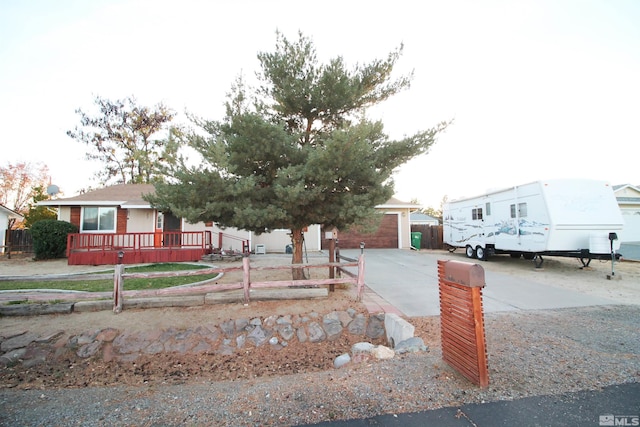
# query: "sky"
(536, 90)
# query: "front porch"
(137, 248)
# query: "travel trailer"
(572, 218)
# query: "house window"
(99, 219)
(476, 213)
(522, 210)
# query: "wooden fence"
(246, 285)
(18, 241)
(432, 237)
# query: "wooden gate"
(431, 236)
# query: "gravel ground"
(530, 353)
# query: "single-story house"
(5, 215)
(419, 218)
(628, 197)
(121, 209)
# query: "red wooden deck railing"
(134, 248)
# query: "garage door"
(631, 230)
(385, 237)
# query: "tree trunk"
(297, 239)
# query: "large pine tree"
(296, 151)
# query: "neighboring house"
(122, 209)
(419, 218)
(5, 215)
(628, 197)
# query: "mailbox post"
(462, 319)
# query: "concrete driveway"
(408, 280)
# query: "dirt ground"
(67, 370)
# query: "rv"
(573, 218)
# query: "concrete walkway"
(407, 281)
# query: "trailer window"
(522, 210)
(487, 208)
(476, 213)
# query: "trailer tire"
(471, 253)
(528, 255)
(481, 254)
(515, 255)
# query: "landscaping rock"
(341, 360)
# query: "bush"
(50, 238)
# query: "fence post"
(118, 284)
(246, 277)
(462, 320)
(360, 279)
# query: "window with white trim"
(99, 219)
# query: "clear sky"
(537, 89)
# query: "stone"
(256, 321)
(316, 333)
(88, 350)
(357, 325)
(241, 324)
(351, 312)
(201, 347)
(241, 340)
(382, 352)
(411, 345)
(284, 320)
(128, 343)
(270, 321)
(49, 337)
(258, 336)
(228, 328)
(361, 352)
(273, 340)
(332, 327)
(12, 356)
(345, 318)
(397, 329)
(375, 326)
(302, 334)
(341, 360)
(154, 348)
(18, 341)
(107, 335)
(286, 331)
(210, 334)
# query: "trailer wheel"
(515, 255)
(480, 253)
(528, 255)
(471, 253)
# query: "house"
(121, 209)
(419, 218)
(628, 197)
(5, 215)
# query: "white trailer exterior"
(556, 217)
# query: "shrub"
(50, 238)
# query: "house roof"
(10, 212)
(130, 196)
(124, 195)
(419, 216)
(395, 203)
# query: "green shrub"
(50, 238)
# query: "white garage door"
(631, 230)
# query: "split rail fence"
(246, 285)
